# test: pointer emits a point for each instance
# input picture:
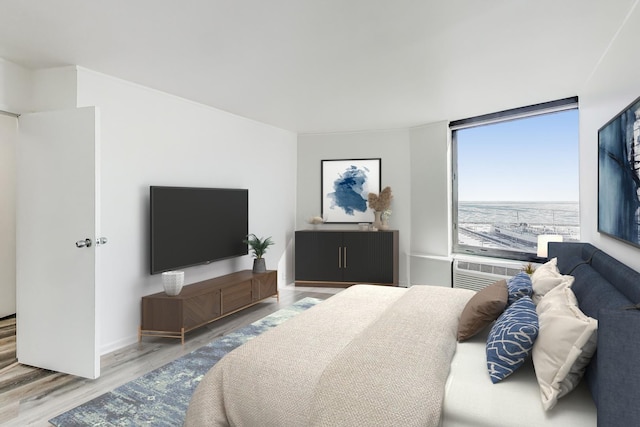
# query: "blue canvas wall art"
(346, 184)
(619, 176)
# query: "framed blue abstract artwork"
(346, 185)
(619, 176)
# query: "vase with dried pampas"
(380, 203)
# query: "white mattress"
(472, 400)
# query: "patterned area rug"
(161, 397)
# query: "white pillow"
(547, 277)
(566, 342)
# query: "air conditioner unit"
(477, 273)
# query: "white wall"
(8, 140)
(55, 88)
(392, 146)
(613, 86)
(16, 87)
(430, 261)
(430, 189)
(151, 138)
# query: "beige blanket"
(371, 355)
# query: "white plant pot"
(173, 282)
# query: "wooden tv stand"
(203, 302)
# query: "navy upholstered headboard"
(608, 291)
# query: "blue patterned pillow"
(511, 339)
(519, 286)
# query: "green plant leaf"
(258, 245)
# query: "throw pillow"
(566, 342)
(519, 286)
(482, 309)
(547, 277)
(511, 339)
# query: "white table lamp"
(543, 243)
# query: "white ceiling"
(326, 65)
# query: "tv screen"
(191, 226)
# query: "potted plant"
(529, 269)
(258, 247)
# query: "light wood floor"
(30, 396)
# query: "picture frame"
(345, 188)
(619, 176)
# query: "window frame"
(487, 119)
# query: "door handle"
(86, 243)
(345, 257)
(339, 257)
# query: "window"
(515, 176)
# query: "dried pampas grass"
(382, 201)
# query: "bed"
(385, 356)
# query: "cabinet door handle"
(339, 257)
(345, 257)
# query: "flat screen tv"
(191, 226)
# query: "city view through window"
(515, 180)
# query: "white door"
(57, 216)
